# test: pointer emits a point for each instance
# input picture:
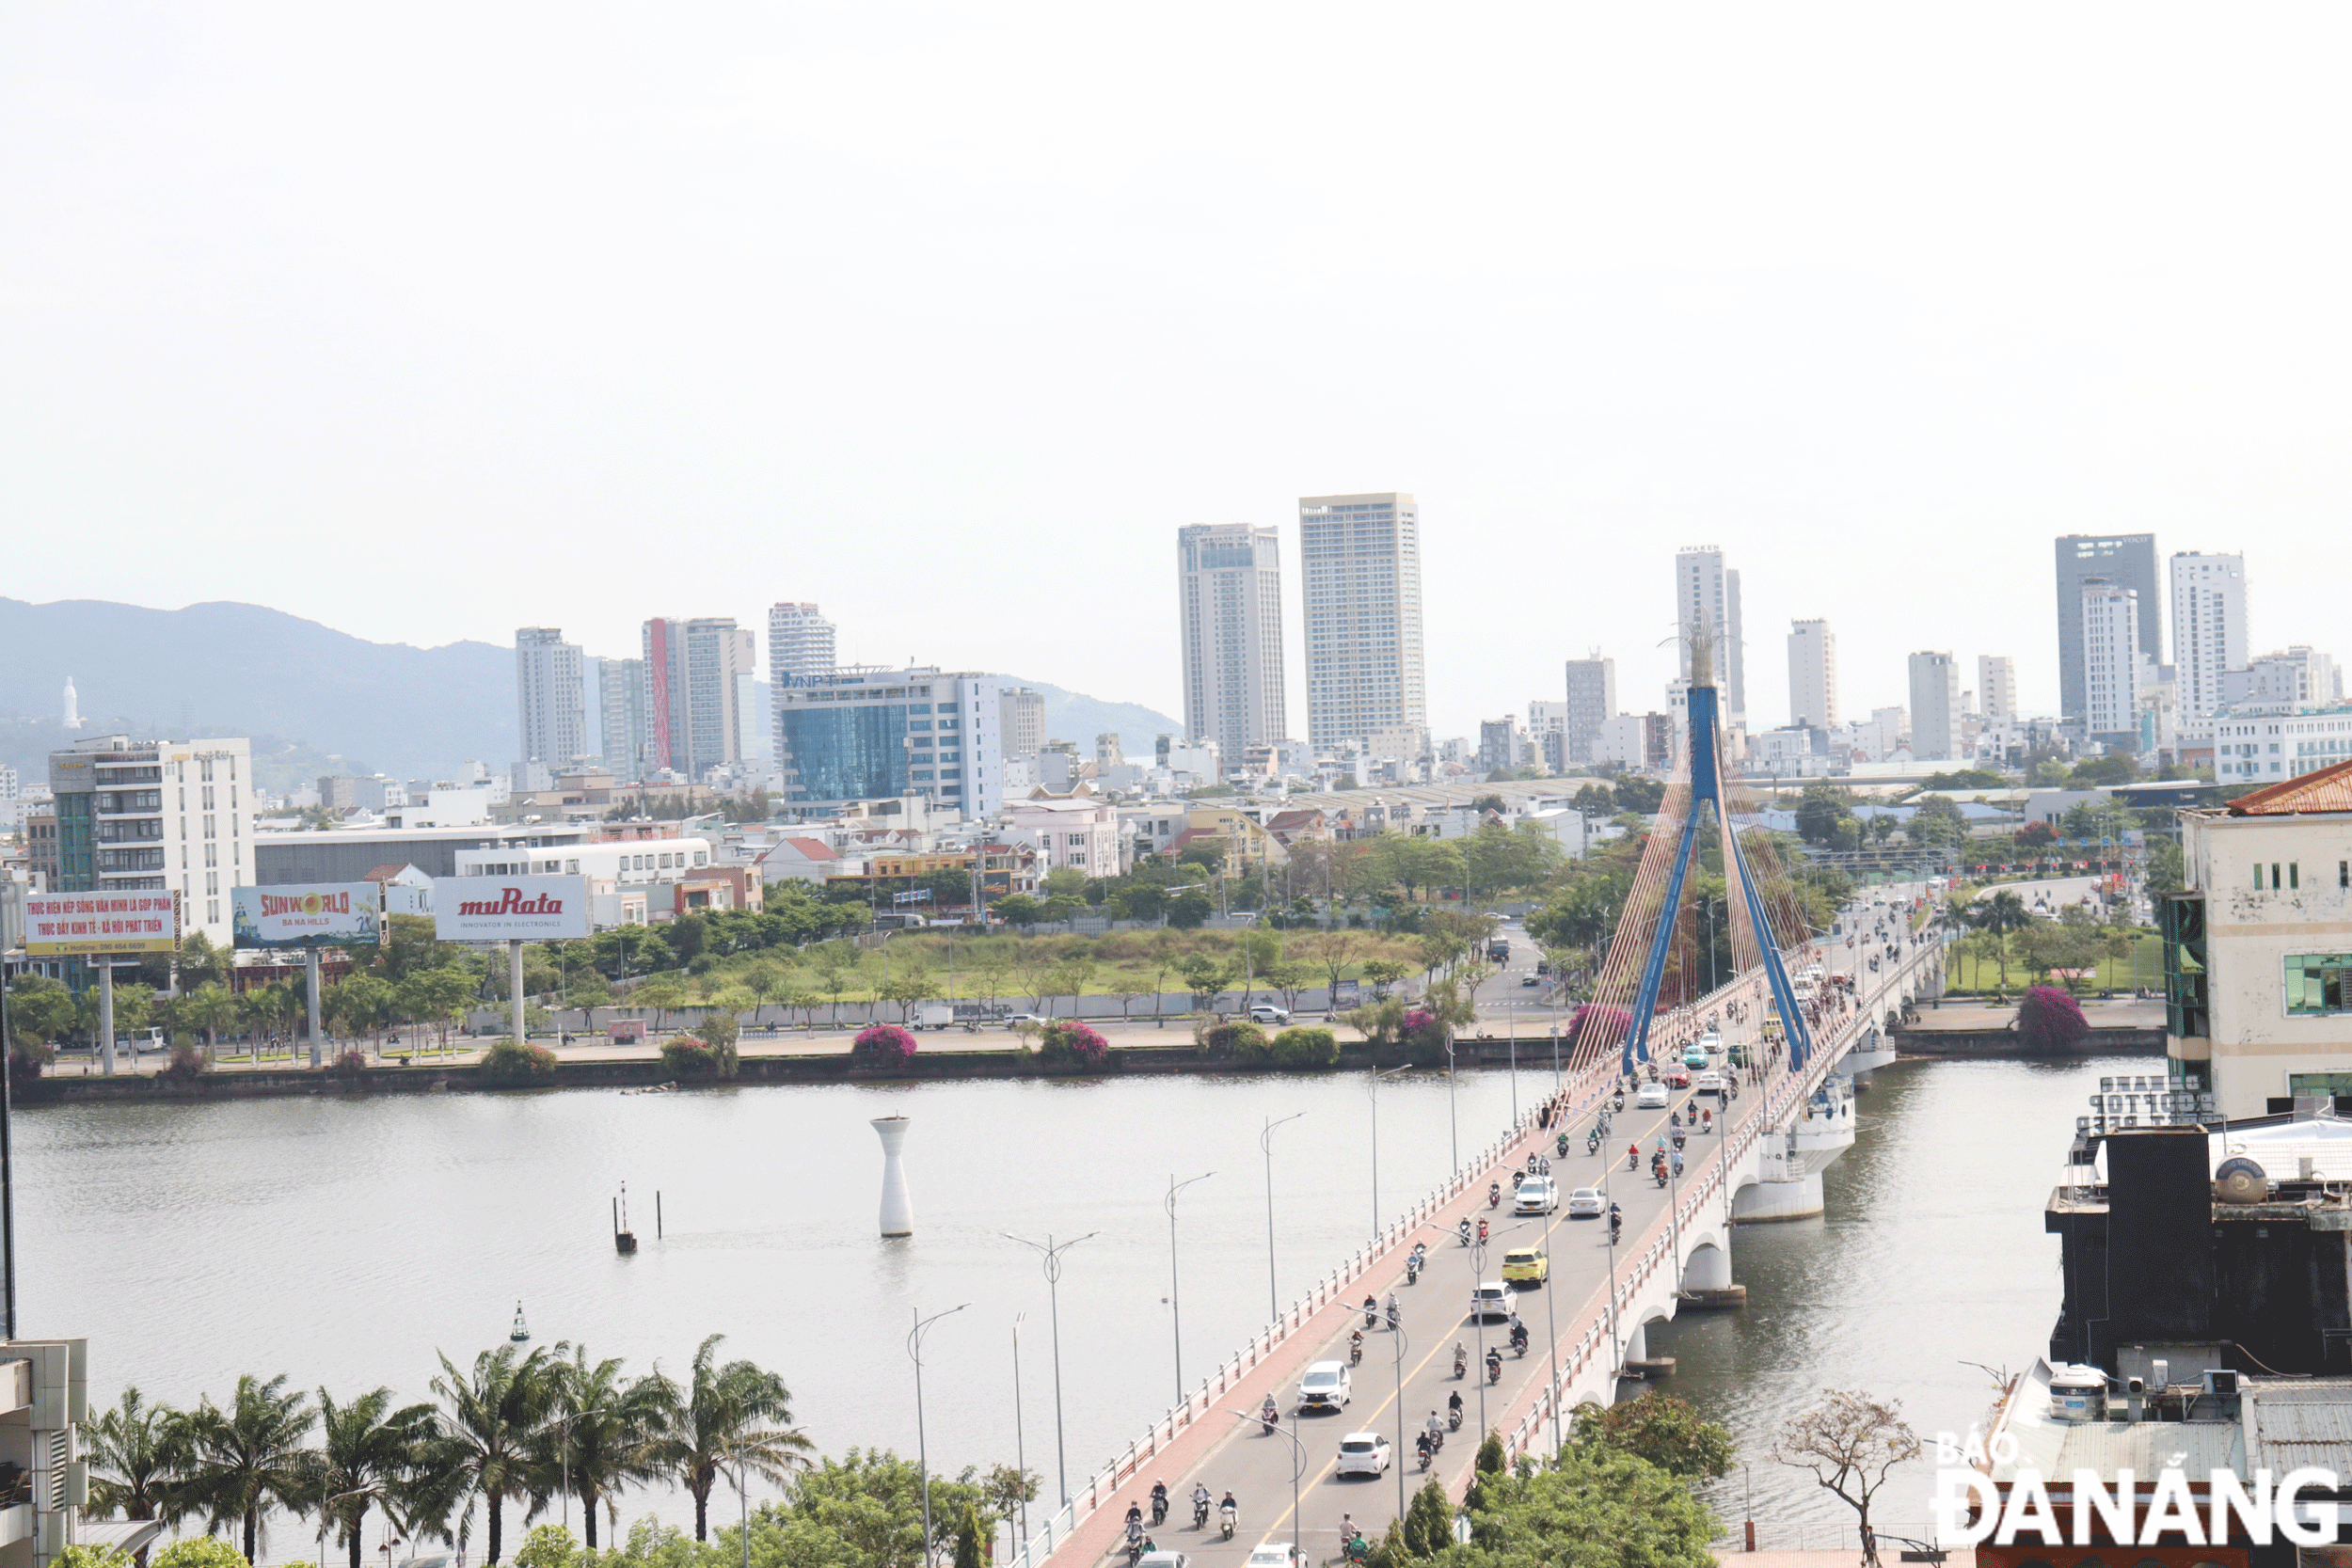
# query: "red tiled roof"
(386, 872)
(810, 848)
(2325, 789)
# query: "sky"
(433, 320)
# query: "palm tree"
(210, 1008)
(366, 1450)
(736, 1414)
(604, 1431)
(488, 1426)
(246, 1458)
(134, 1451)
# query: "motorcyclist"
(1412, 1266)
(1494, 1194)
(1134, 1520)
(1461, 1357)
(1454, 1406)
(1677, 1163)
(1200, 1504)
(1372, 1312)
(1228, 1509)
(1437, 1431)
(1272, 1413)
(1159, 1501)
(1466, 1231)
(1421, 1448)
(1394, 1316)
(1674, 1119)
(1354, 1346)
(1482, 1230)
(1633, 1156)
(1494, 1364)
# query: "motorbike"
(1633, 1159)
(1592, 1142)
(1481, 1231)
(1201, 1514)
(1461, 1361)
(1228, 1518)
(1494, 1367)
(1159, 1509)
(1519, 1341)
(1616, 1101)
(1494, 1194)
(1561, 1146)
(1412, 1269)
(1269, 1418)
(1464, 1233)
(1421, 1446)
(1395, 1315)
(1615, 1224)
(1135, 1552)
(1355, 1352)
(1372, 1313)
(1454, 1419)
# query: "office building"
(864, 733)
(693, 721)
(1360, 559)
(1812, 675)
(1934, 707)
(550, 697)
(1592, 703)
(2208, 629)
(1706, 600)
(154, 815)
(621, 705)
(799, 643)
(2124, 559)
(1024, 718)
(1996, 687)
(1229, 610)
(1498, 743)
(2111, 661)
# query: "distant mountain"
(241, 668)
(315, 699)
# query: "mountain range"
(313, 699)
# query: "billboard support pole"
(515, 984)
(311, 971)
(106, 1012)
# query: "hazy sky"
(431, 321)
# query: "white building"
(1812, 675)
(862, 734)
(1996, 687)
(2208, 629)
(1228, 616)
(2295, 675)
(1934, 707)
(1360, 559)
(691, 718)
(2112, 663)
(157, 814)
(1079, 832)
(1707, 598)
(1592, 702)
(799, 643)
(550, 697)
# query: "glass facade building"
(864, 735)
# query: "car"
(1674, 1076)
(1274, 1554)
(1526, 1265)
(1694, 1056)
(1651, 1097)
(1014, 1021)
(1587, 1203)
(1266, 1012)
(1537, 1196)
(1362, 1453)
(1172, 1560)
(1529, 981)
(1325, 1386)
(1712, 1041)
(1712, 1082)
(1490, 1299)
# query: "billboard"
(507, 908)
(306, 914)
(63, 924)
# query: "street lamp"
(922, 1447)
(1265, 1142)
(1478, 1277)
(1052, 1254)
(1372, 1088)
(1298, 1469)
(1175, 1304)
(569, 1418)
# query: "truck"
(932, 1015)
(1498, 950)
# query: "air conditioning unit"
(2221, 1382)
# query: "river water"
(346, 1243)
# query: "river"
(345, 1242)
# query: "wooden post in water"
(624, 1240)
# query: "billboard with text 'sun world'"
(306, 914)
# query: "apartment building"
(1707, 601)
(1228, 608)
(1812, 675)
(692, 716)
(2208, 630)
(150, 815)
(550, 698)
(1361, 566)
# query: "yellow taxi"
(1526, 1265)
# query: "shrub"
(2049, 1019)
(510, 1063)
(199, 1551)
(885, 1041)
(350, 1062)
(1243, 1041)
(26, 1059)
(687, 1057)
(1303, 1047)
(1067, 1040)
(1607, 1025)
(185, 1067)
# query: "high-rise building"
(1592, 703)
(2124, 559)
(621, 705)
(1360, 560)
(1934, 707)
(692, 716)
(1024, 713)
(1812, 675)
(864, 734)
(1996, 687)
(1707, 597)
(2111, 659)
(799, 643)
(1229, 610)
(155, 815)
(2296, 674)
(550, 697)
(2208, 630)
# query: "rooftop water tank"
(2078, 1393)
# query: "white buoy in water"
(897, 1210)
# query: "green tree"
(735, 1416)
(1667, 1431)
(549, 1547)
(660, 993)
(968, 1538)
(1852, 1443)
(1820, 809)
(486, 1433)
(135, 1451)
(41, 1008)
(366, 1449)
(2165, 870)
(612, 1427)
(201, 1551)
(244, 1460)
(210, 1008)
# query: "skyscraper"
(1229, 608)
(2208, 629)
(550, 697)
(621, 699)
(2111, 658)
(1996, 687)
(1023, 710)
(1707, 595)
(1812, 675)
(1934, 707)
(1592, 703)
(691, 713)
(799, 643)
(1361, 568)
(2124, 559)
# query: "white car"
(1537, 1196)
(1326, 1387)
(1711, 1082)
(1266, 1012)
(1491, 1299)
(1165, 1560)
(1362, 1453)
(1712, 1043)
(1653, 1096)
(1274, 1554)
(1015, 1020)
(1586, 1203)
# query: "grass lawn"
(2144, 968)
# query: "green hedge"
(509, 1063)
(1303, 1047)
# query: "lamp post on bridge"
(1372, 1089)
(1265, 1142)
(1298, 1470)
(922, 1443)
(1175, 1306)
(1052, 1256)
